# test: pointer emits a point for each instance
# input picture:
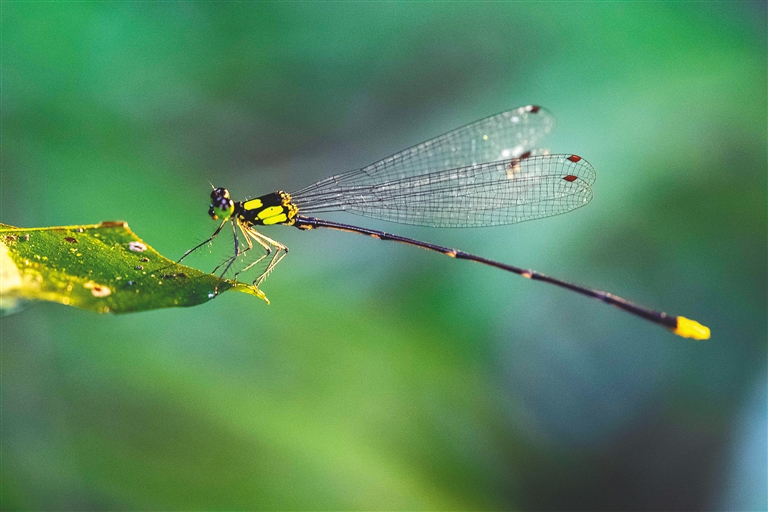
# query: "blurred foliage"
(102, 268)
(383, 377)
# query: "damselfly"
(483, 174)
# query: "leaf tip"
(113, 224)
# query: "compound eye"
(220, 192)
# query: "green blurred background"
(384, 377)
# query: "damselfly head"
(221, 206)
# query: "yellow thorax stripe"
(277, 219)
(253, 204)
(270, 212)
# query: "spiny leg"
(282, 252)
(250, 265)
(210, 239)
(228, 263)
(265, 241)
(228, 260)
(268, 250)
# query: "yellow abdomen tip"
(688, 328)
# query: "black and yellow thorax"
(274, 208)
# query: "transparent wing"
(502, 136)
(488, 194)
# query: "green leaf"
(102, 268)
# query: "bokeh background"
(384, 377)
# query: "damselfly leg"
(270, 246)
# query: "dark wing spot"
(532, 109)
(574, 158)
(570, 177)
